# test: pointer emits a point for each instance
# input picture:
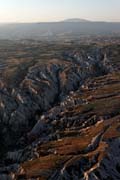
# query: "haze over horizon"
(55, 10)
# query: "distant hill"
(75, 20)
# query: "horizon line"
(59, 21)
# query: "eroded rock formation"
(62, 121)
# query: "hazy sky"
(55, 10)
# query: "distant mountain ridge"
(76, 20)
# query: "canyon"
(60, 111)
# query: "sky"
(56, 10)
